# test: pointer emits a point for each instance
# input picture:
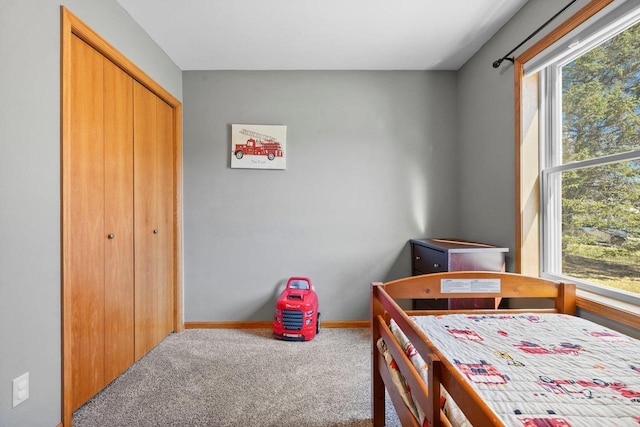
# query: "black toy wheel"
(318, 324)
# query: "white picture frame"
(258, 146)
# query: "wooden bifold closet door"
(120, 217)
(100, 223)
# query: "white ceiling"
(321, 34)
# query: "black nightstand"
(438, 255)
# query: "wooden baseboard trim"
(346, 324)
(269, 325)
(228, 325)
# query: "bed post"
(566, 301)
(434, 372)
(377, 385)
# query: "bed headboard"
(481, 284)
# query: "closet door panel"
(118, 199)
(165, 218)
(86, 239)
(145, 223)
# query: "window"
(590, 157)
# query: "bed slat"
(411, 376)
(404, 413)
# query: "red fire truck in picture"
(544, 422)
(609, 336)
(562, 348)
(531, 347)
(258, 145)
(297, 317)
(482, 372)
(465, 334)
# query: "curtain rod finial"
(497, 63)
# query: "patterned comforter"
(540, 369)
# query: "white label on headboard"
(461, 286)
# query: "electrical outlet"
(20, 389)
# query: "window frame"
(529, 257)
(527, 146)
(552, 164)
(548, 254)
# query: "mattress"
(541, 369)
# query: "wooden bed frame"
(384, 307)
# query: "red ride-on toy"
(297, 317)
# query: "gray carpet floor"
(220, 377)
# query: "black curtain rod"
(497, 63)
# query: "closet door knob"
(418, 258)
(155, 231)
(111, 236)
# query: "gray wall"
(486, 131)
(30, 188)
(369, 166)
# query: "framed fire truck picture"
(258, 146)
